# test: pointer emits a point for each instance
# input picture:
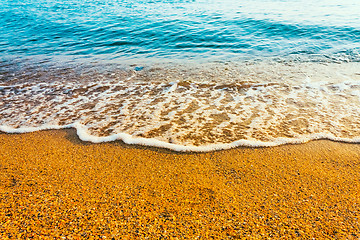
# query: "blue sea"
(188, 75)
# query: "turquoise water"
(185, 75)
(200, 30)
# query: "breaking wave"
(200, 107)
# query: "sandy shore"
(54, 185)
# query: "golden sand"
(54, 185)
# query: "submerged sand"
(54, 185)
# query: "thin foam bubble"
(203, 108)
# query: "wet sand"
(54, 185)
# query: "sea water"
(188, 75)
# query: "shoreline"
(55, 185)
(129, 140)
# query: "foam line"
(220, 107)
(9, 129)
(84, 135)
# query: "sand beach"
(54, 186)
(140, 97)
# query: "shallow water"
(186, 75)
(208, 29)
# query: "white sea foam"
(201, 109)
(84, 135)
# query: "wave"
(201, 107)
(84, 135)
(177, 30)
